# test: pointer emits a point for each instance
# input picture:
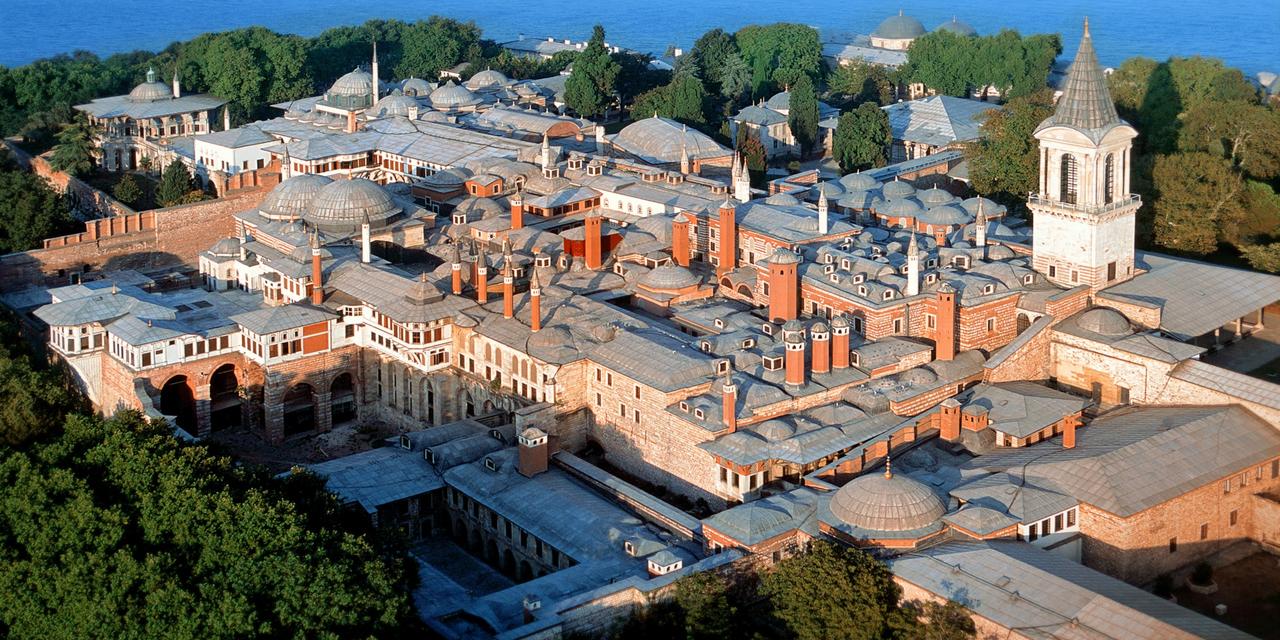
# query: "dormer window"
(542, 260)
(772, 363)
(862, 290)
(722, 367)
(856, 359)
(828, 258)
(835, 278)
(594, 169)
(430, 456)
(931, 263)
(931, 278)
(619, 269)
(988, 289)
(888, 295)
(490, 464)
(698, 413)
(406, 443)
(629, 548)
(859, 278)
(719, 322)
(748, 343)
(844, 264)
(706, 346)
(829, 268)
(960, 261)
(767, 327)
(1028, 279)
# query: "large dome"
(859, 182)
(669, 278)
(900, 208)
(487, 79)
(899, 27)
(658, 141)
(452, 96)
(342, 206)
(151, 90)
(354, 83)
(887, 503)
(416, 87)
(396, 105)
(291, 199)
(958, 27)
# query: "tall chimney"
(793, 338)
(482, 277)
(680, 239)
(728, 238)
(535, 301)
(517, 211)
(684, 150)
(533, 452)
(366, 245)
(729, 402)
(1069, 427)
(821, 348)
(177, 87)
(317, 277)
(944, 335)
(840, 342)
(949, 416)
(352, 124)
(456, 267)
(508, 291)
(593, 240)
(784, 302)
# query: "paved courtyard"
(1251, 590)
(1258, 353)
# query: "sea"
(1243, 33)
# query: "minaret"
(546, 153)
(823, 228)
(226, 117)
(508, 291)
(366, 245)
(286, 165)
(517, 210)
(177, 87)
(1085, 214)
(741, 181)
(913, 267)
(684, 150)
(980, 229)
(317, 277)
(482, 277)
(374, 84)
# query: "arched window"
(1108, 194)
(1068, 186)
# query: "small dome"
(840, 322)
(859, 182)
(989, 207)
(819, 327)
(934, 197)
(878, 502)
(447, 178)
(1107, 322)
(416, 87)
(151, 90)
(782, 200)
(774, 430)
(352, 84)
(831, 188)
(487, 79)
(899, 27)
(292, 198)
(897, 189)
(958, 27)
(452, 96)
(780, 101)
(342, 205)
(900, 208)
(784, 256)
(945, 215)
(226, 247)
(918, 376)
(669, 278)
(396, 105)
(554, 337)
(479, 209)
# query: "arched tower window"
(1068, 186)
(1109, 187)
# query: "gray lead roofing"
(1085, 103)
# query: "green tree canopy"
(1004, 163)
(735, 78)
(175, 184)
(1246, 133)
(833, 592)
(1198, 201)
(433, 45)
(957, 65)
(684, 99)
(1264, 257)
(127, 190)
(590, 87)
(861, 137)
(75, 151)
(711, 53)
(30, 209)
(861, 82)
(802, 114)
(778, 54)
(1153, 96)
(704, 599)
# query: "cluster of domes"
(899, 27)
(453, 96)
(336, 206)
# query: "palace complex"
(566, 326)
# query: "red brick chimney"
(944, 335)
(352, 124)
(1069, 432)
(949, 421)
(821, 348)
(533, 452)
(793, 338)
(592, 231)
(729, 403)
(840, 342)
(680, 240)
(456, 266)
(482, 277)
(517, 211)
(728, 238)
(508, 291)
(317, 275)
(784, 303)
(535, 302)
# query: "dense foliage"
(779, 54)
(590, 87)
(958, 65)
(30, 209)
(74, 153)
(861, 137)
(802, 114)
(176, 185)
(683, 99)
(858, 82)
(1004, 163)
(831, 592)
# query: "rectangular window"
(1053, 271)
(622, 409)
(1071, 517)
(930, 320)
(1057, 522)
(897, 326)
(1173, 545)
(1032, 532)
(637, 392)
(1235, 517)
(991, 325)
(599, 402)
(1204, 532)
(1111, 271)
(1275, 469)
(636, 416)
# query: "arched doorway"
(224, 398)
(179, 401)
(1024, 322)
(299, 410)
(508, 563)
(491, 552)
(526, 571)
(342, 399)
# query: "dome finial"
(888, 462)
(1086, 26)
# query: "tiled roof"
(379, 476)
(1236, 385)
(1085, 103)
(769, 517)
(273, 319)
(937, 120)
(122, 106)
(1022, 408)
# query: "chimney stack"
(680, 239)
(729, 403)
(366, 245)
(535, 301)
(793, 338)
(784, 297)
(374, 73)
(517, 211)
(949, 424)
(728, 238)
(840, 342)
(508, 291)
(821, 348)
(482, 276)
(1069, 427)
(352, 124)
(944, 335)
(533, 452)
(456, 267)
(317, 277)
(591, 230)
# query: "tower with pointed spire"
(913, 266)
(741, 179)
(1084, 212)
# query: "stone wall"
(87, 200)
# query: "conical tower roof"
(1085, 103)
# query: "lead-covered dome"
(958, 27)
(291, 199)
(343, 205)
(452, 96)
(669, 277)
(659, 140)
(899, 27)
(416, 87)
(353, 83)
(897, 189)
(487, 79)
(151, 90)
(1107, 322)
(396, 104)
(887, 503)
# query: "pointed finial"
(888, 462)
(114, 289)
(1086, 26)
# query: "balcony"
(1133, 200)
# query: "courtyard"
(1250, 588)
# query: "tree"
(861, 137)
(433, 45)
(862, 82)
(929, 620)
(127, 190)
(1244, 132)
(1264, 257)
(1198, 201)
(175, 184)
(711, 53)
(1154, 96)
(1004, 163)
(704, 599)
(832, 592)
(34, 397)
(778, 54)
(590, 87)
(75, 150)
(735, 78)
(802, 114)
(634, 75)
(956, 65)
(30, 209)
(752, 150)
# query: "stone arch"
(508, 563)
(225, 405)
(488, 407)
(342, 398)
(1109, 183)
(177, 399)
(1024, 322)
(726, 283)
(491, 552)
(469, 405)
(473, 543)
(526, 571)
(745, 291)
(1068, 179)
(299, 405)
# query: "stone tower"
(1084, 212)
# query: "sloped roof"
(769, 517)
(273, 319)
(379, 476)
(1086, 103)
(937, 120)
(1023, 408)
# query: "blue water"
(1241, 32)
